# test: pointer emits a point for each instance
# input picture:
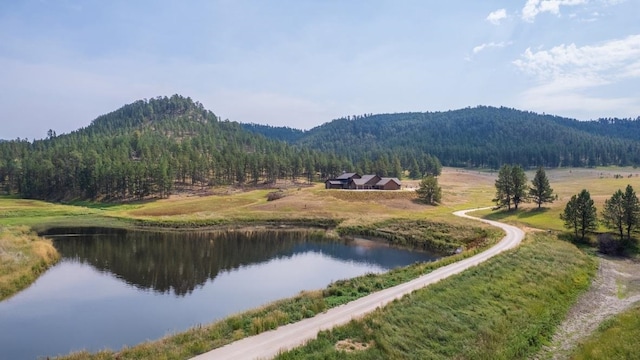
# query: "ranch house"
(354, 181)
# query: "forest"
(484, 137)
(152, 147)
(155, 147)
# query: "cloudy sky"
(301, 63)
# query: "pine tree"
(613, 214)
(540, 191)
(519, 179)
(511, 186)
(504, 187)
(580, 214)
(631, 210)
(429, 190)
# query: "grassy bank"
(502, 309)
(23, 257)
(423, 234)
(309, 303)
(616, 338)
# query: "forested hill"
(484, 137)
(149, 147)
(285, 133)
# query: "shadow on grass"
(108, 205)
(516, 214)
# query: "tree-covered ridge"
(282, 133)
(146, 148)
(482, 137)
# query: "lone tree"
(511, 186)
(429, 191)
(631, 210)
(613, 214)
(540, 191)
(580, 214)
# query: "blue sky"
(303, 63)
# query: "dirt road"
(268, 344)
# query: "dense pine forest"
(151, 147)
(478, 137)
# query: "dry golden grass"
(23, 256)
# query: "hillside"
(482, 137)
(148, 149)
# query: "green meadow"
(505, 308)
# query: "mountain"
(149, 149)
(286, 133)
(481, 137)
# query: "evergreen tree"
(580, 214)
(504, 187)
(613, 214)
(540, 190)
(519, 179)
(429, 190)
(631, 210)
(511, 186)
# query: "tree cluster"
(512, 189)
(621, 213)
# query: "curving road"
(268, 344)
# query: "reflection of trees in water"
(173, 261)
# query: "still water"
(114, 288)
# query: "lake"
(115, 288)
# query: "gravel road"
(268, 344)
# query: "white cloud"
(484, 46)
(607, 60)
(573, 78)
(496, 16)
(534, 7)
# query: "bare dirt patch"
(613, 291)
(349, 345)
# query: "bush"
(607, 244)
(275, 195)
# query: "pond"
(115, 287)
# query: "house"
(389, 184)
(354, 181)
(365, 182)
(342, 181)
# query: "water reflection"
(175, 262)
(117, 288)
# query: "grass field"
(617, 338)
(601, 184)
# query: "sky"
(302, 63)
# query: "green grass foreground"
(505, 308)
(616, 338)
(23, 257)
(309, 303)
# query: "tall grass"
(505, 308)
(617, 338)
(23, 257)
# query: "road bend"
(268, 344)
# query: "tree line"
(484, 137)
(149, 147)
